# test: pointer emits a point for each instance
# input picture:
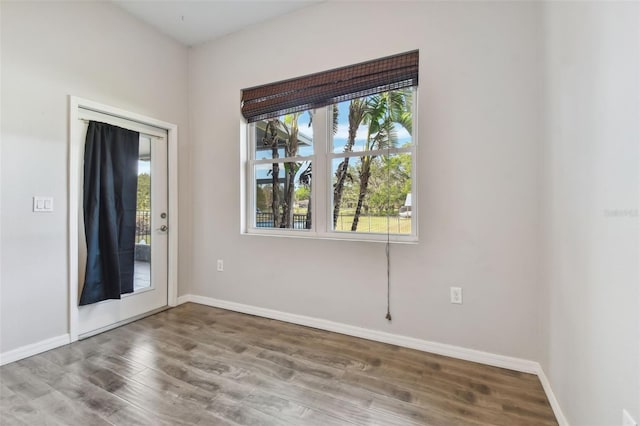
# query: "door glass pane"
(143, 218)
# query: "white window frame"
(322, 189)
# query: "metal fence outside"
(265, 220)
(366, 223)
(143, 226)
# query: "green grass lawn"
(397, 225)
(373, 224)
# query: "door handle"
(163, 228)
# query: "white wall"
(591, 182)
(478, 126)
(528, 175)
(50, 51)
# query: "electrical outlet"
(220, 265)
(627, 420)
(456, 295)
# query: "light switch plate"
(42, 204)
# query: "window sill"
(333, 236)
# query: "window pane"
(287, 136)
(373, 122)
(283, 195)
(372, 194)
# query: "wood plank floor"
(197, 365)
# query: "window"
(339, 164)
(282, 150)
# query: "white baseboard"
(517, 364)
(473, 355)
(34, 349)
(495, 360)
(555, 405)
(183, 299)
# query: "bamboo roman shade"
(329, 87)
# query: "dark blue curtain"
(110, 191)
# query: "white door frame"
(74, 196)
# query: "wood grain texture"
(197, 365)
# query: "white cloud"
(343, 133)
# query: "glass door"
(151, 242)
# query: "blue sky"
(340, 138)
(144, 167)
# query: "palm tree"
(305, 180)
(357, 113)
(289, 126)
(384, 111)
(272, 140)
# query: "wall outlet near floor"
(220, 266)
(456, 295)
(627, 420)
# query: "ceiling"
(195, 22)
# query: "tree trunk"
(271, 139)
(356, 113)
(292, 151)
(307, 222)
(275, 189)
(364, 183)
(287, 208)
(341, 175)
